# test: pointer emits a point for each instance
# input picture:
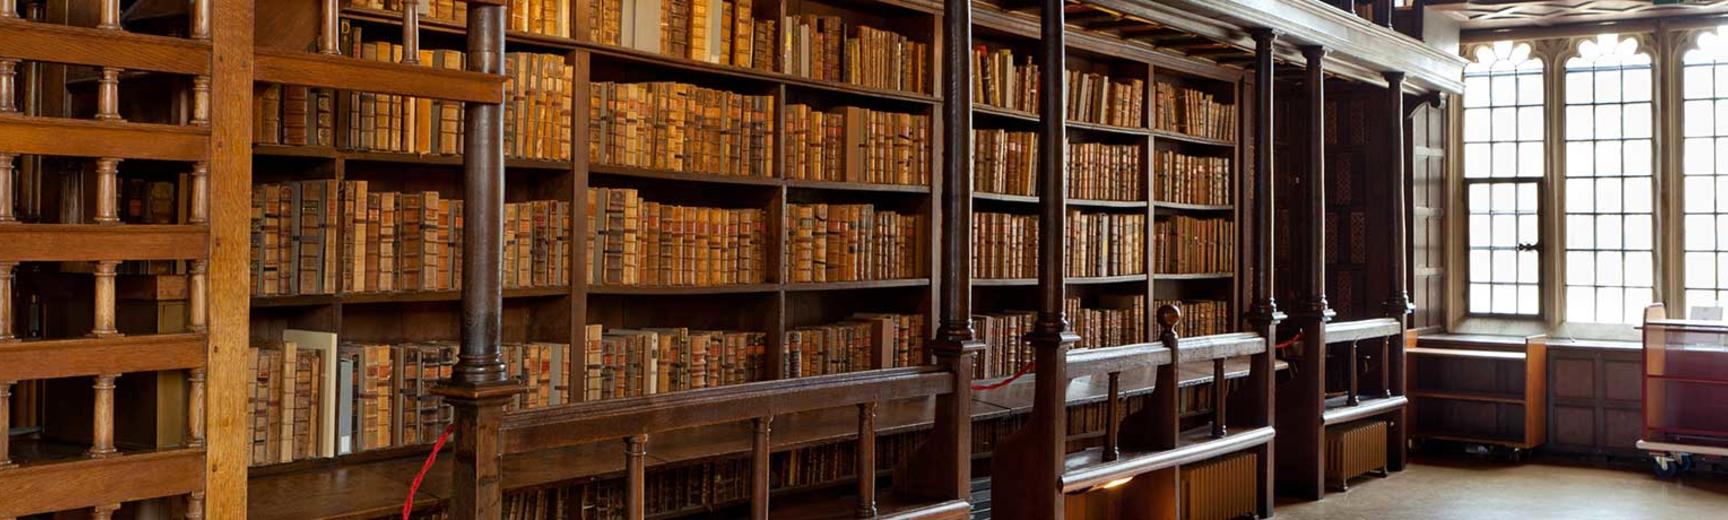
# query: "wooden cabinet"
(1480, 396)
(1594, 403)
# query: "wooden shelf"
(645, 173)
(1338, 413)
(90, 138)
(857, 186)
(94, 242)
(515, 41)
(652, 290)
(1004, 282)
(1193, 276)
(993, 112)
(325, 152)
(1080, 203)
(359, 298)
(52, 359)
(1190, 139)
(1182, 206)
(1467, 396)
(1098, 280)
(862, 284)
(128, 477)
(48, 42)
(345, 73)
(1107, 129)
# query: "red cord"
(408, 506)
(999, 384)
(1291, 341)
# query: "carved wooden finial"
(1169, 316)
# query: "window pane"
(1529, 301)
(1476, 125)
(1580, 232)
(1697, 117)
(1704, 185)
(1504, 156)
(1530, 124)
(1476, 91)
(1638, 120)
(1609, 197)
(1637, 86)
(1530, 159)
(1581, 303)
(1580, 198)
(1580, 159)
(1505, 299)
(1608, 158)
(1530, 89)
(1476, 160)
(1694, 80)
(1578, 87)
(1581, 267)
(1579, 122)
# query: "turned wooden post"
(102, 430)
(1263, 314)
(8, 82)
(1385, 367)
(195, 506)
(199, 213)
(1354, 370)
(195, 408)
(105, 511)
(104, 327)
(198, 291)
(411, 32)
(759, 470)
(201, 101)
(330, 27)
(1220, 391)
(5, 424)
(8, 10)
(108, 95)
(110, 15)
(8, 206)
(866, 460)
(107, 190)
(7, 275)
(1398, 305)
(1113, 418)
(200, 20)
(636, 477)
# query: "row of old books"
(1119, 319)
(854, 144)
(634, 242)
(325, 236)
(309, 396)
(1191, 179)
(634, 362)
(1187, 245)
(1194, 112)
(863, 342)
(680, 127)
(1201, 317)
(1006, 162)
(713, 31)
(1004, 245)
(827, 48)
(1105, 244)
(547, 17)
(853, 242)
(999, 80)
(1006, 350)
(1096, 98)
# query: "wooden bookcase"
(1491, 397)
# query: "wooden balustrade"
(8, 84)
(104, 511)
(866, 460)
(5, 424)
(330, 27)
(759, 469)
(200, 101)
(7, 204)
(102, 420)
(104, 303)
(7, 275)
(411, 32)
(636, 476)
(195, 408)
(108, 95)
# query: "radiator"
(1221, 488)
(1354, 449)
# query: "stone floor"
(1477, 489)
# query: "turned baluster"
(102, 431)
(7, 205)
(1113, 419)
(104, 327)
(1385, 366)
(108, 190)
(195, 506)
(110, 15)
(411, 32)
(8, 83)
(330, 28)
(197, 312)
(867, 460)
(108, 95)
(5, 424)
(1350, 397)
(200, 23)
(195, 409)
(8, 10)
(635, 468)
(200, 210)
(1220, 391)
(201, 101)
(6, 277)
(104, 512)
(759, 468)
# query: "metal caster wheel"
(1666, 467)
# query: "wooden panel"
(88, 138)
(88, 242)
(85, 483)
(1622, 381)
(1574, 378)
(230, 225)
(1621, 428)
(102, 48)
(90, 356)
(315, 70)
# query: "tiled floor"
(1473, 489)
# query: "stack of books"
(1006, 162)
(829, 49)
(1194, 112)
(1117, 320)
(1187, 245)
(1201, 317)
(1004, 245)
(648, 361)
(546, 17)
(1003, 82)
(1005, 347)
(1105, 244)
(679, 127)
(852, 242)
(723, 32)
(635, 242)
(864, 342)
(1095, 98)
(1190, 179)
(853, 144)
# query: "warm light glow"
(1115, 483)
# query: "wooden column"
(636, 477)
(1352, 369)
(1220, 391)
(8, 82)
(8, 205)
(8, 10)
(198, 290)
(1113, 418)
(229, 203)
(195, 506)
(411, 32)
(109, 15)
(108, 95)
(107, 191)
(1398, 304)
(941, 469)
(195, 408)
(105, 511)
(5, 424)
(200, 101)
(199, 212)
(330, 26)
(102, 420)
(1263, 314)
(199, 23)
(104, 325)
(479, 387)
(7, 276)
(866, 460)
(759, 470)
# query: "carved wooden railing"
(106, 140)
(636, 421)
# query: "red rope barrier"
(408, 505)
(999, 384)
(1291, 341)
